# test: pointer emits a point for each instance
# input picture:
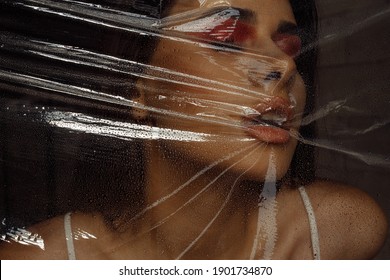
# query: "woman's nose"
(277, 71)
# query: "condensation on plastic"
(178, 125)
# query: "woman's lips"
(269, 134)
(277, 105)
(269, 125)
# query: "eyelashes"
(229, 28)
(237, 34)
(232, 31)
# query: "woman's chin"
(244, 161)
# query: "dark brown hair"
(303, 164)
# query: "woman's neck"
(194, 214)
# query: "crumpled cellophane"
(154, 118)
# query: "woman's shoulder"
(52, 233)
(53, 246)
(351, 224)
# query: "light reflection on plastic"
(82, 234)
(266, 221)
(24, 237)
(126, 131)
(255, 65)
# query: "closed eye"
(287, 38)
(231, 30)
(229, 27)
(289, 44)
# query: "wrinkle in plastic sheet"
(172, 123)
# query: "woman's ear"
(138, 112)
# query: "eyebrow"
(246, 14)
(284, 27)
(287, 27)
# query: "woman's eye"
(291, 44)
(230, 31)
(230, 27)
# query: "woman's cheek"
(299, 92)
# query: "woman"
(223, 89)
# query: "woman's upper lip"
(278, 106)
(270, 121)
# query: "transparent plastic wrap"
(194, 129)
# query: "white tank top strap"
(315, 241)
(69, 236)
(306, 202)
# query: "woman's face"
(226, 71)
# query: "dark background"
(354, 65)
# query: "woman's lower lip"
(269, 134)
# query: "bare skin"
(222, 222)
(351, 226)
